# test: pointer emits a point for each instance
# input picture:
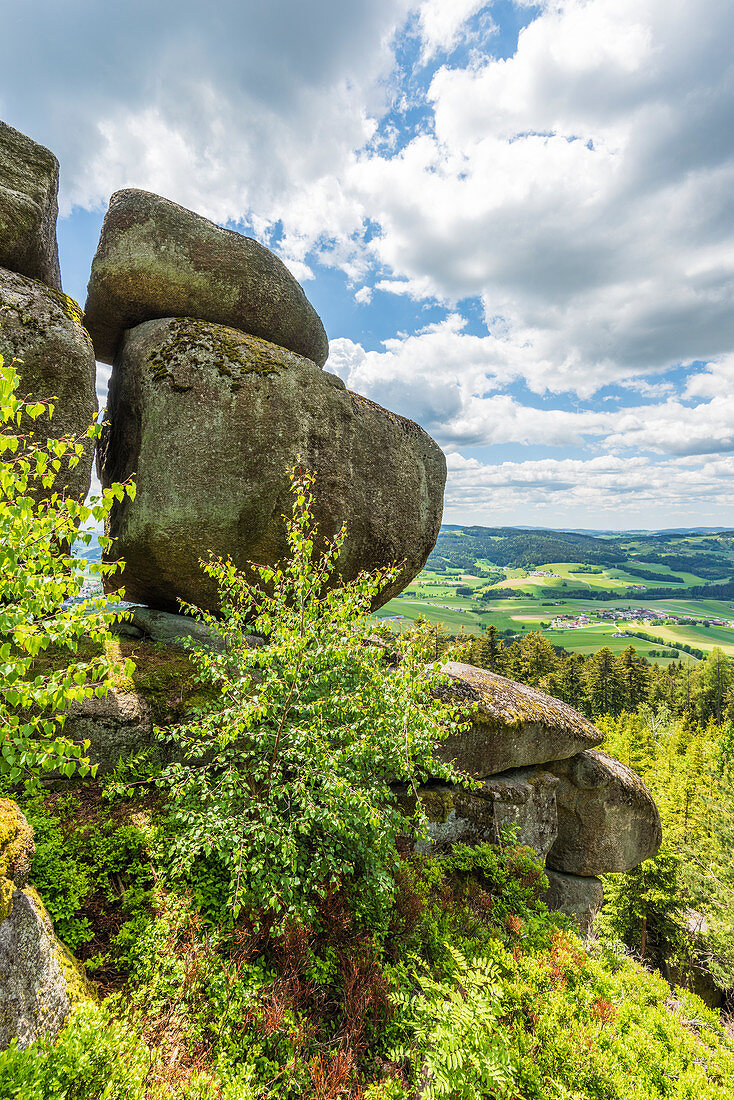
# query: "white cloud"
(451, 382)
(443, 22)
(600, 492)
(716, 379)
(583, 188)
(238, 111)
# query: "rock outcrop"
(168, 629)
(42, 330)
(577, 897)
(607, 818)
(156, 259)
(39, 978)
(34, 999)
(115, 725)
(210, 420)
(597, 817)
(512, 725)
(524, 797)
(29, 184)
(16, 852)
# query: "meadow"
(460, 597)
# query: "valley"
(668, 594)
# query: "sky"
(515, 219)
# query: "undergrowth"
(472, 990)
(257, 931)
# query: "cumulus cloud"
(451, 382)
(582, 187)
(599, 492)
(236, 111)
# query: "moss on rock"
(16, 852)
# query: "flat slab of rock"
(42, 328)
(157, 259)
(607, 818)
(577, 897)
(523, 797)
(29, 184)
(210, 420)
(167, 628)
(513, 726)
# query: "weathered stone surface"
(29, 184)
(38, 976)
(211, 420)
(119, 723)
(578, 897)
(607, 818)
(523, 797)
(156, 259)
(513, 725)
(33, 994)
(42, 329)
(40, 980)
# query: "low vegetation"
(254, 920)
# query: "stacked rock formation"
(216, 392)
(582, 811)
(41, 328)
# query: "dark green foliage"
(516, 548)
(645, 908)
(64, 882)
(92, 867)
(604, 683)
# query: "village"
(646, 616)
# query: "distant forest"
(520, 549)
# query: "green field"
(435, 595)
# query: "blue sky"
(516, 220)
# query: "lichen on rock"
(41, 332)
(16, 852)
(512, 725)
(210, 421)
(203, 272)
(29, 184)
(39, 977)
(607, 818)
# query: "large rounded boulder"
(209, 421)
(511, 725)
(157, 259)
(42, 330)
(29, 184)
(607, 818)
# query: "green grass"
(544, 601)
(700, 637)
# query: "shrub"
(282, 791)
